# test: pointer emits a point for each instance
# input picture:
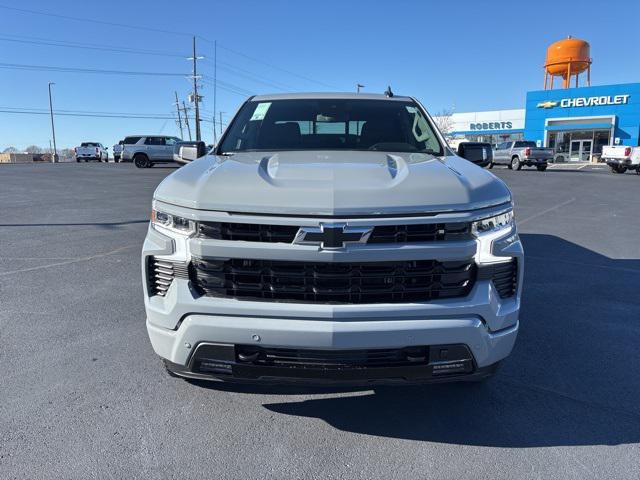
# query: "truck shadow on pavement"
(572, 379)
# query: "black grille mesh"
(312, 358)
(381, 234)
(503, 275)
(380, 282)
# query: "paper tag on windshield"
(260, 111)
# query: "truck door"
(499, 154)
(154, 147)
(170, 143)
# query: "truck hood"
(332, 183)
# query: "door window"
(170, 141)
(154, 141)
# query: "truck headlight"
(493, 230)
(504, 221)
(173, 223)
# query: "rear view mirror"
(479, 153)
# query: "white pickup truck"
(622, 158)
(91, 151)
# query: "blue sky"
(464, 55)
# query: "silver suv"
(332, 238)
(147, 150)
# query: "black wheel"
(77, 160)
(141, 161)
(490, 165)
(515, 163)
(618, 169)
(541, 168)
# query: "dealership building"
(575, 122)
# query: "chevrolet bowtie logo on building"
(547, 104)
(332, 236)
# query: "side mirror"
(476, 152)
(190, 151)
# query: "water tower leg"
(577, 75)
(545, 78)
(589, 75)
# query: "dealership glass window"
(600, 139)
(561, 141)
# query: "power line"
(229, 87)
(93, 20)
(117, 116)
(275, 67)
(26, 112)
(249, 76)
(87, 46)
(158, 30)
(78, 111)
(51, 68)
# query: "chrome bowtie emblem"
(332, 235)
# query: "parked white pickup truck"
(91, 151)
(622, 158)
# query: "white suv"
(147, 150)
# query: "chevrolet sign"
(587, 101)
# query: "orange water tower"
(567, 58)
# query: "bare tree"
(33, 149)
(444, 121)
(10, 150)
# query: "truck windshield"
(331, 124)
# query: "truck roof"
(328, 95)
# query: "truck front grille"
(162, 272)
(248, 232)
(379, 282)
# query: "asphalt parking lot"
(82, 395)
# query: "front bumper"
(180, 347)
(181, 321)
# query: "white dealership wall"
(494, 121)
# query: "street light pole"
(53, 128)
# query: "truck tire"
(515, 163)
(141, 160)
(618, 169)
(541, 168)
(490, 166)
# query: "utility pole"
(215, 85)
(54, 158)
(358, 87)
(179, 118)
(196, 99)
(221, 122)
(186, 118)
